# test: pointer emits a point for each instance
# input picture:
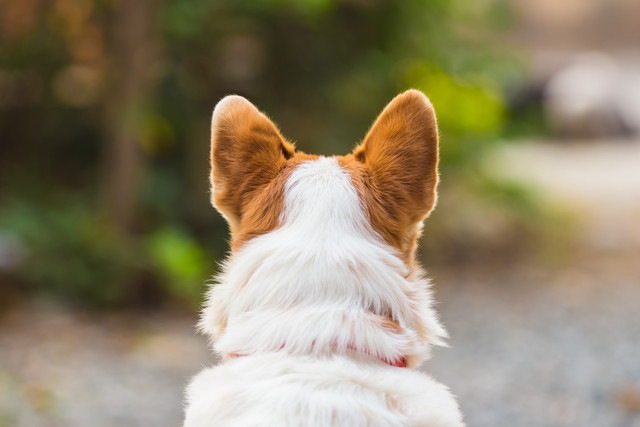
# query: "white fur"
(274, 389)
(304, 306)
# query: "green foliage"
(67, 251)
(322, 69)
(181, 263)
(469, 108)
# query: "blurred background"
(107, 236)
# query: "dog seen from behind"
(321, 314)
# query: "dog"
(321, 314)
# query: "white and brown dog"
(321, 314)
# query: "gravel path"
(543, 348)
(563, 350)
(68, 368)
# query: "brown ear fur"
(247, 154)
(400, 159)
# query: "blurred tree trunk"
(133, 50)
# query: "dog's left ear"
(247, 152)
(400, 153)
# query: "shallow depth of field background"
(107, 237)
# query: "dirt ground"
(530, 345)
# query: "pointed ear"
(400, 153)
(247, 152)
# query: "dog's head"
(394, 171)
(316, 238)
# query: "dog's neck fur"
(323, 282)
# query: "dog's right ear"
(400, 153)
(247, 152)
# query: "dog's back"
(321, 307)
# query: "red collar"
(399, 363)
